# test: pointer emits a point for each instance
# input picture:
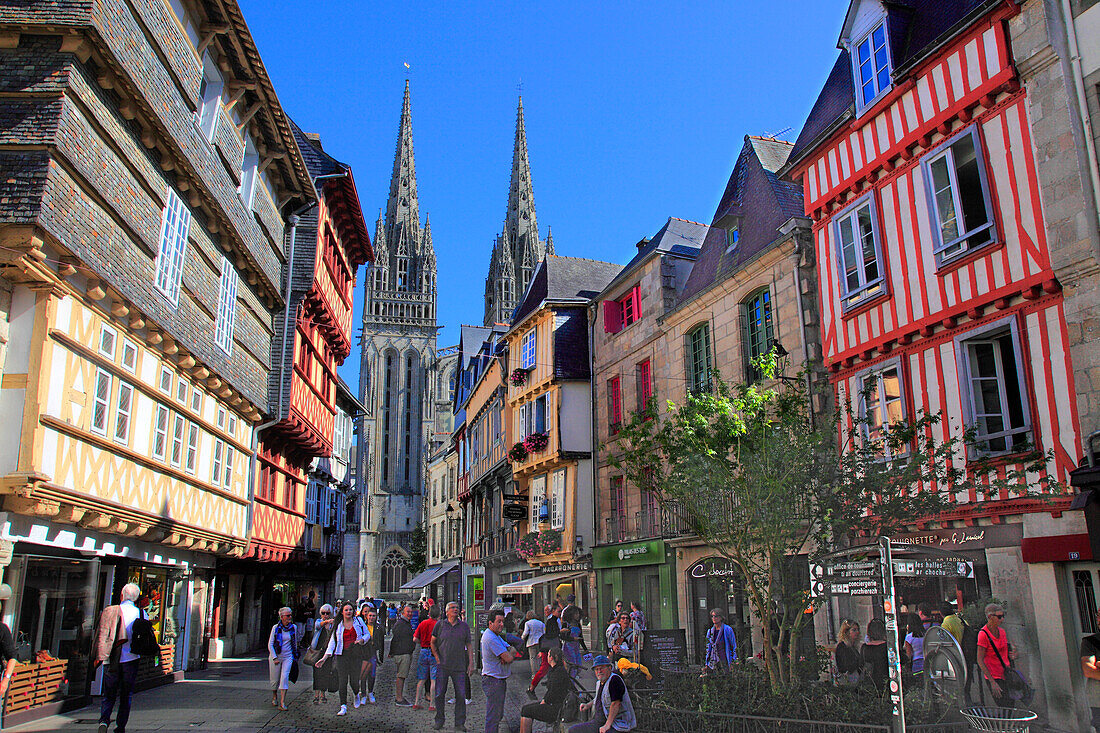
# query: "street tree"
(760, 479)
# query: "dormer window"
(872, 65)
(731, 238)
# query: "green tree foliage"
(760, 479)
(418, 549)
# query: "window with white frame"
(160, 432)
(192, 448)
(216, 472)
(732, 237)
(230, 457)
(174, 225)
(250, 166)
(538, 501)
(528, 349)
(129, 355)
(210, 91)
(958, 193)
(124, 406)
(557, 500)
(165, 382)
(181, 391)
(871, 58)
(227, 304)
(177, 440)
(859, 253)
(994, 389)
(196, 401)
(881, 405)
(101, 400)
(107, 338)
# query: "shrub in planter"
(536, 442)
(518, 377)
(518, 453)
(549, 541)
(528, 545)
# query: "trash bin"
(998, 719)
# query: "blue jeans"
(495, 691)
(118, 680)
(458, 677)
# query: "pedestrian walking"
(496, 660)
(637, 622)
(369, 666)
(282, 644)
(309, 614)
(849, 663)
(721, 651)
(402, 646)
(873, 653)
(348, 639)
(620, 637)
(532, 633)
(324, 677)
(454, 658)
(112, 647)
(1090, 666)
(613, 708)
(914, 642)
(995, 654)
(548, 710)
(7, 645)
(551, 639)
(425, 666)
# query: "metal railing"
(663, 521)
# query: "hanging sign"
(513, 511)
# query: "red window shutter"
(636, 297)
(612, 316)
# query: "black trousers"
(347, 673)
(118, 684)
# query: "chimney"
(643, 242)
(314, 138)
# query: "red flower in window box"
(518, 377)
(536, 442)
(518, 453)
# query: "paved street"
(233, 696)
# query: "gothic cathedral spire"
(519, 249)
(403, 207)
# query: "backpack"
(143, 640)
(969, 644)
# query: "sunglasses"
(997, 615)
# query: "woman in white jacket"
(349, 637)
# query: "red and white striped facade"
(927, 308)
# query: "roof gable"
(564, 279)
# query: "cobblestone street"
(233, 696)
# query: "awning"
(1056, 548)
(430, 575)
(528, 585)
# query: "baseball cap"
(601, 661)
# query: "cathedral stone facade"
(518, 249)
(397, 380)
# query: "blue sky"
(634, 112)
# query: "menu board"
(665, 650)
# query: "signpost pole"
(893, 660)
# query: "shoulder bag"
(1015, 684)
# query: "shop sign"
(965, 538)
(713, 567)
(649, 552)
(573, 567)
(513, 511)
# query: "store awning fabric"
(528, 585)
(430, 575)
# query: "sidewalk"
(233, 696)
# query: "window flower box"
(538, 543)
(518, 453)
(536, 442)
(518, 377)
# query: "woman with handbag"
(995, 657)
(282, 644)
(324, 677)
(349, 636)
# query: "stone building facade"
(144, 174)
(398, 365)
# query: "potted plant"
(536, 442)
(518, 377)
(518, 453)
(528, 545)
(549, 541)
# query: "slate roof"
(915, 26)
(679, 237)
(565, 278)
(762, 200)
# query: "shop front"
(641, 572)
(58, 591)
(539, 590)
(714, 582)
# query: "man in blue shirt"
(721, 644)
(496, 661)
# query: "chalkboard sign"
(665, 650)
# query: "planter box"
(36, 684)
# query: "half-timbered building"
(937, 293)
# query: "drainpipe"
(1082, 104)
(797, 261)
